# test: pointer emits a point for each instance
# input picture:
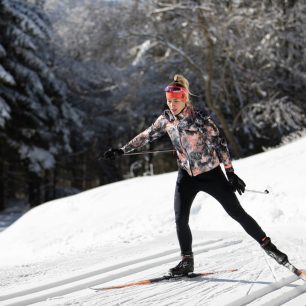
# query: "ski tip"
(302, 274)
(91, 288)
(106, 288)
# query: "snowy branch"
(6, 77)
(2, 51)
(4, 112)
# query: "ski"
(298, 272)
(163, 278)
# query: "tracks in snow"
(288, 290)
(281, 299)
(99, 276)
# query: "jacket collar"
(184, 114)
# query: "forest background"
(78, 77)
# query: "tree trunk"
(54, 182)
(208, 87)
(47, 186)
(2, 178)
(34, 189)
(2, 185)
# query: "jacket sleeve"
(220, 145)
(155, 131)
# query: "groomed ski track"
(257, 282)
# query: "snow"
(4, 112)
(40, 158)
(125, 231)
(6, 77)
(2, 51)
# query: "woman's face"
(176, 105)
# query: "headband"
(176, 92)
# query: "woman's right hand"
(113, 153)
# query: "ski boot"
(185, 266)
(272, 251)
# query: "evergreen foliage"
(35, 117)
(111, 60)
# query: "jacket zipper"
(185, 151)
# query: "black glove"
(237, 183)
(113, 153)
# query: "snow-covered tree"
(238, 54)
(35, 117)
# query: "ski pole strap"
(149, 152)
(266, 191)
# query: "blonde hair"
(182, 81)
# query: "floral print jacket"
(195, 137)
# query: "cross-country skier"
(200, 150)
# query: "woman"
(200, 150)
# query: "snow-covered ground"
(125, 231)
(15, 209)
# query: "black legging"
(214, 183)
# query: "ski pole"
(266, 191)
(141, 153)
(149, 152)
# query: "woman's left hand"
(236, 182)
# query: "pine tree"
(35, 118)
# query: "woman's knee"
(181, 220)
